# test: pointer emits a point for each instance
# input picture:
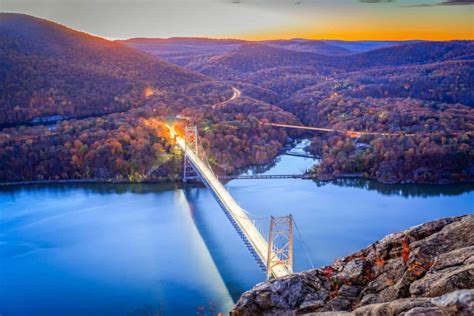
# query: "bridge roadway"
(257, 241)
(264, 176)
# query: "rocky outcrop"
(427, 270)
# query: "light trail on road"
(355, 134)
(236, 95)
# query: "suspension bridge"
(273, 250)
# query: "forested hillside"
(183, 50)
(422, 88)
(310, 46)
(48, 69)
(189, 51)
(121, 97)
(254, 57)
(135, 146)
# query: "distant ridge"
(365, 46)
(322, 46)
(180, 40)
(255, 57)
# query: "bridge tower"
(191, 142)
(280, 243)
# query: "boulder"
(425, 270)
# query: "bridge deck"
(232, 208)
(264, 176)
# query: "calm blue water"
(161, 249)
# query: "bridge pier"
(191, 136)
(280, 244)
(188, 170)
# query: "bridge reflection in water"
(214, 282)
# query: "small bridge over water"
(273, 253)
(264, 176)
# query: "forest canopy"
(106, 105)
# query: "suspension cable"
(304, 245)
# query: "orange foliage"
(405, 249)
(379, 261)
(328, 272)
(418, 268)
(334, 291)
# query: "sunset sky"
(259, 19)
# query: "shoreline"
(330, 177)
(323, 178)
(83, 181)
(177, 179)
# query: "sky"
(259, 19)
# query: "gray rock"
(425, 270)
(450, 279)
(459, 302)
(397, 307)
(453, 258)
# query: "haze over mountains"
(122, 90)
(182, 50)
(430, 69)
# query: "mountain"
(189, 51)
(230, 59)
(48, 69)
(224, 58)
(309, 46)
(254, 57)
(182, 50)
(412, 54)
(422, 88)
(365, 46)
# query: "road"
(347, 132)
(247, 226)
(236, 95)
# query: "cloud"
(456, 2)
(448, 2)
(376, 1)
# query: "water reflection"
(77, 252)
(203, 257)
(404, 190)
(296, 147)
(101, 188)
(232, 258)
(259, 169)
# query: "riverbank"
(87, 181)
(176, 180)
(331, 177)
(426, 268)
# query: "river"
(148, 249)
